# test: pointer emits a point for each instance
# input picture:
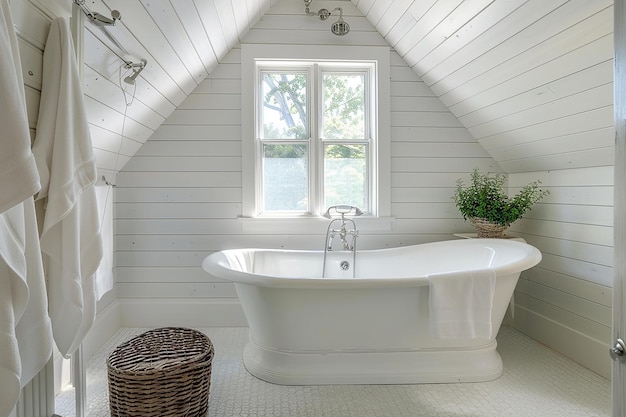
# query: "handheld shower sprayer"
(137, 68)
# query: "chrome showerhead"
(340, 27)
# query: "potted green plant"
(488, 207)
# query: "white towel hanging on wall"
(25, 333)
(70, 239)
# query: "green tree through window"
(290, 136)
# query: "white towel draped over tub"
(70, 239)
(25, 333)
(460, 304)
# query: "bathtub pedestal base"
(477, 364)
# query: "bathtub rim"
(217, 264)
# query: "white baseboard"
(580, 348)
(155, 312)
(150, 313)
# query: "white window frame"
(380, 178)
(314, 72)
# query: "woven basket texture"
(162, 372)
(486, 229)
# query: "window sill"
(311, 224)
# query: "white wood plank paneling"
(426, 25)
(531, 80)
(569, 125)
(498, 66)
(181, 41)
(161, 194)
(519, 86)
(32, 23)
(502, 40)
(585, 101)
(572, 286)
(533, 84)
(192, 24)
(179, 197)
(212, 27)
(149, 38)
(449, 27)
(167, 20)
(569, 85)
(31, 59)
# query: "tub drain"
(344, 265)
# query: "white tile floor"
(536, 382)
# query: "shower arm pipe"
(323, 14)
(135, 66)
(101, 21)
(97, 18)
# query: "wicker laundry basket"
(162, 372)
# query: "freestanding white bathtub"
(372, 329)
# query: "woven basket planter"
(162, 372)
(486, 229)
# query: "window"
(314, 136)
(311, 134)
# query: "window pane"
(345, 175)
(285, 177)
(284, 98)
(344, 106)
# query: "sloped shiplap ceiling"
(530, 79)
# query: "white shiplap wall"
(181, 41)
(532, 81)
(179, 197)
(32, 24)
(566, 301)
